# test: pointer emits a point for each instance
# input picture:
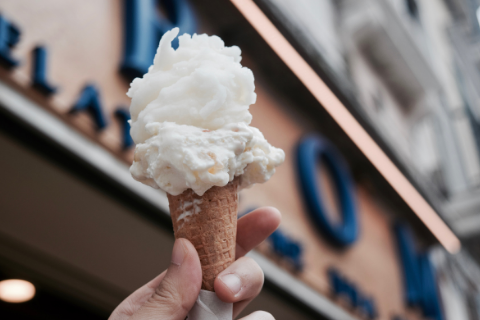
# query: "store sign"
(419, 279)
(89, 100)
(311, 150)
(342, 287)
(288, 248)
(419, 276)
(144, 28)
(39, 71)
(9, 37)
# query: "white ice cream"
(190, 119)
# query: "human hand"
(172, 294)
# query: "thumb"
(179, 289)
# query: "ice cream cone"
(210, 223)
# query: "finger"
(240, 283)
(178, 290)
(255, 227)
(259, 315)
(134, 301)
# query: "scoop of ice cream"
(190, 119)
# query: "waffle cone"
(209, 222)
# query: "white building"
(413, 69)
(406, 72)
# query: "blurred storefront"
(351, 245)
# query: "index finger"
(255, 227)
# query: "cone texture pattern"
(210, 223)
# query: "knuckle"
(253, 274)
(252, 265)
(129, 308)
(166, 293)
(258, 274)
(169, 298)
(258, 269)
(247, 260)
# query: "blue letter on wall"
(311, 151)
(9, 37)
(89, 100)
(288, 248)
(343, 287)
(124, 116)
(419, 276)
(39, 71)
(144, 27)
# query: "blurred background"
(81, 234)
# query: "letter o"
(311, 150)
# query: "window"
(412, 8)
(478, 16)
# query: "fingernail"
(178, 253)
(233, 282)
